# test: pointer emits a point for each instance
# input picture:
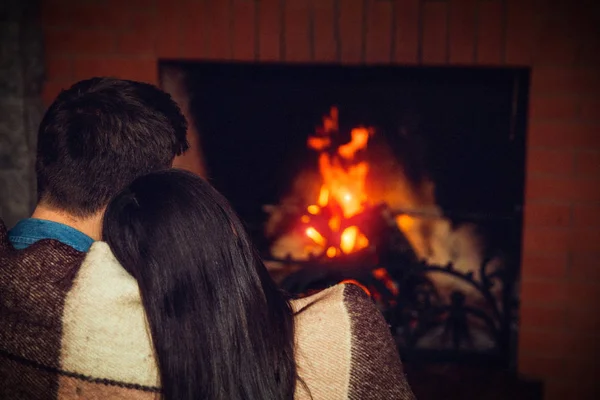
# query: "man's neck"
(91, 226)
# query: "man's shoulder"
(72, 314)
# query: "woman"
(219, 326)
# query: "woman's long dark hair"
(221, 328)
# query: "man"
(95, 138)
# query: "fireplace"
(407, 181)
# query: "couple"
(136, 281)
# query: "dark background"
(462, 126)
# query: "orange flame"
(313, 209)
(343, 187)
(331, 252)
(315, 236)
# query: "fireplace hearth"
(407, 181)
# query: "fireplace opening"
(407, 181)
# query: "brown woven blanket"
(72, 326)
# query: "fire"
(315, 236)
(342, 194)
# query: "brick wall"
(559, 340)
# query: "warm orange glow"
(331, 252)
(405, 222)
(318, 143)
(345, 185)
(383, 275)
(360, 137)
(334, 224)
(305, 219)
(379, 273)
(361, 242)
(313, 209)
(323, 197)
(315, 236)
(342, 190)
(348, 239)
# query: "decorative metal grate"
(471, 320)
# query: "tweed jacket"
(72, 326)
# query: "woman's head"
(220, 327)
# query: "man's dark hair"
(101, 134)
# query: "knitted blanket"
(72, 326)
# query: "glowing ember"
(313, 209)
(315, 235)
(342, 193)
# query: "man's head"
(98, 136)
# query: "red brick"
(544, 265)
(243, 35)
(59, 67)
(490, 41)
(195, 22)
(325, 46)
(558, 389)
(549, 317)
(52, 89)
(550, 161)
(585, 266)
(541, 367)
(588, 42)
(562, 189)
(351, 30)
(145, 20)
(584, 320)
(585, 239)
(583, 294)
(270, 30)
(544, 292)
(78, 41)
(136, 42)
(379, 32)
(564, 79)
(297, 31)
(545, 239)
(584, 371)
(406, 35)
(462, 31)
(169, 28)
(564, 134)
(588, 162)
(435, 42)
(218, 33)
(555, 44)
(131, 4)
(589, 107)
(586, 215)
(520, 31)
(140, 37)
(135, 68)
(543, 214)
(553, 106)
(546, 343)
(90, 15)
(582, 346)
(56, 14)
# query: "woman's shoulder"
(104, 316)
(344, 347)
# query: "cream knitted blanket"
(72, 326)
